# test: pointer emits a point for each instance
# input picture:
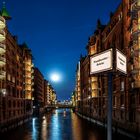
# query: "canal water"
(59, 124)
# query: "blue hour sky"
(57, 31)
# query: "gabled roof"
(4, 12)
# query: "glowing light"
(55, 77)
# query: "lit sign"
(101, 62)
(121, 62)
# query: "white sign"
(121, 62)
(101, 62)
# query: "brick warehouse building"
(38, 93)
(15, 78)
(122, 32)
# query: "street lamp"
(89, 97)
(3, 91)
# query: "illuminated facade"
(77, 87)
(46, 93)
(54, 98)
(52, 95)
(38, 92)
(15, 107)
(73, 100)
(28, 77)
(49, 94)
(122, 33)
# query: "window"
(8, 90)
(122, 114)
(9, 104)
(122, 99)
(8, 77)
(13, 79)
(9, 113)
(114, 101)
(114, 86)
(14, 92)
(132, 85)
(14, 104)
(122, 85)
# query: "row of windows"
(12, 91)
(15, 104)
(13, 113)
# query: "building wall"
(45, 93)
(38, 90)
(120, 33)
(13, 99)
(84, 79)
(27, 77)
(77, 88)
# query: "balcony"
(2, 48)
(28, 84)
(136, 5)
(2, 35)
(2, 23)
(28, 64)
(28, 71)
(27, 77)
(2, 74)
(28, 90)
(32, 71)
(2, 61)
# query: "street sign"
(101, 62)
(121, 62)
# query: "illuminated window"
(132, 85)
(13, 79)
(138, 3)
(8, 77)
(122, 86)
(17, 58)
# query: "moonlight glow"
(55, 77)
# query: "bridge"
(60, 106)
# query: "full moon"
(55, 77)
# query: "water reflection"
(58, 125)
(34, 131)
(55, 127)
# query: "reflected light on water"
(55, 127)
(44, 128)
(34, 129)
(64, 113)
(56, 112)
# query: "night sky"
(57, 31)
